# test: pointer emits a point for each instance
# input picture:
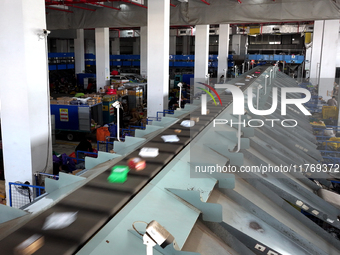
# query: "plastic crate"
(329, 112)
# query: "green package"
(118, 174)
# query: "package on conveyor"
(118, 174)
(137, 164)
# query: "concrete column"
(186, 45)
(62, 46)
(144, 51)
(158, 56)
(223, 50)
(79, 51)
(102, 57)
(236, 44)
(338, 53)
(308, 61)
(25, 117)
(115, 46)
(328, 61)
(201, 51)
(90, 46)
(172, 45)
(316, 51)
(136, 46)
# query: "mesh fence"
(23, 194)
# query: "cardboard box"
(122, 92)
(196, 119)
(53, 101)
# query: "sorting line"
(98, 200)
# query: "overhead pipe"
(52, 2)
(205, 2)
(57, 9)
(130, 2)
(80, 7)
(103, 5)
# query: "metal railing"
(23, 194)
(107, 143)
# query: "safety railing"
(107, 143)
(22, 194)
(163, 114)
(40, 177)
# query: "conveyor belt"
(98, 201)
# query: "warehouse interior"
(170, 127)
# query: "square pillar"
(201, 51)
(316, 52)
(25, 120)
(328, 59)
(172, 45)
(144, 52)
(236, 44)
(158, 56)
(115, 46)
(102, 57)
(186, 45)
(79, 52)
(223, 50)
(136, 46)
